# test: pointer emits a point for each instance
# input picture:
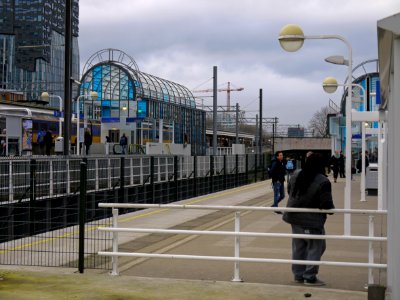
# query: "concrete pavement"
(275, 283)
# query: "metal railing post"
(247, 168)
(255, 167)
(122, 179)
(97, 174)
(32, 196)
(114, 259)
(212, 173)
(236, 169)
(153, 192)
(224, 178)
(82, 214)
(10, 181)
(195, 176)
(236, 270)
(370, 249)
(176, 178)
(51, 181)
(262, 166)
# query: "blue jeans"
(279, 193)
(307, 249)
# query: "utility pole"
(67, 75)
(215, 110)
(237, 123)
(260, 134)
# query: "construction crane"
(228, 91)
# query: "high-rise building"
(32, 47)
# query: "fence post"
(247, 168)
(195, 176)
(114, 259)
(262, 166)
(225, 183)
(32, 196)
(82, 214)
(211, 173)
(255, 167)
(236, 169)
(236, 271)
(121, 180)
(152, 178)
(176, 178)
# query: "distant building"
(32, 46)
(295, 132)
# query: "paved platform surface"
(190, 282)
(51, 284)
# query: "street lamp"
(330, 85)
(45, 96)
(291, 38)
(93, 95)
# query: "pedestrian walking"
(87, 140)
(334, 163)
(278, 178)
(342, 172)
(308, 188)
(123, 142)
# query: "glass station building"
(144, 107)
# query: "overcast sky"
(181, 40)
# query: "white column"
(393, 175)
(381, 140)
(362, 185)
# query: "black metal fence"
(49, 206)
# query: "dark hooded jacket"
(318, 195)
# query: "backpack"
(289, 165)
(40, 138)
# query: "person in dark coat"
(308, 188)
(48, 141)
(334, 163)
(359, 162)
(342, 172)
(87, 140)
(278, 171)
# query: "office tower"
(32, 47)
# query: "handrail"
(237, 234)
(241, 208)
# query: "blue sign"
(378, 92)
(109, 120)
(133, 120)
(58, 114)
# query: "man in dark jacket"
(308, 188)
(278, 171)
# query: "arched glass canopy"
(116, 80)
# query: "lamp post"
(291, 39)
(93, 95)
(45, 96)
(330, 85)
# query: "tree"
(319, 122)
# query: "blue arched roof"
(114, 81)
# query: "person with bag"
(308, 188)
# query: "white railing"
(60, 176)
(238, 233)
